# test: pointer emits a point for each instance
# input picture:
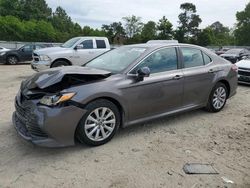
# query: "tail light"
(234, 68)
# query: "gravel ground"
(145, 155)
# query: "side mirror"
(78, 46)
(143, 72)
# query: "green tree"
(149, 31)
(165, 28)
(204, 38)
(133, 25)
(11, 28)
(219, 34)
(25, 9)
(188, 23)
(34, 9)
(242, 32)
(112, 30)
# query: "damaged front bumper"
(46, 126)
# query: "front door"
(85, 53)
(26, 53)
(161, 92)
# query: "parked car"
(125, 86)
(2, 49)
(76, 51)
(24, 53)
(221, 51)
(234, 55)
(244, 70)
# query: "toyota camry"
(125, 86)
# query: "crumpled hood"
(244, 64)
(53, 76)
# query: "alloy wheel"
(12, 60)
(219, 98)
(100, 123)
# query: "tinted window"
(87, 44)
(100, 44)
(160, 61)
(207, 59)
(192, 57)
(28, 48)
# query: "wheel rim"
(219, 98)
(12, 60)
(99, 124)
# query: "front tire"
(12, 60)
(217, 98)
(60, 63)
(99, 124)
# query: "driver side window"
(87, 44)
(27, 48)
(159, 61)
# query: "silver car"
(125, 86)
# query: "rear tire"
(60, 63)
(217, 98)
(99, 124)
(12, 60)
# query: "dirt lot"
(146, 155)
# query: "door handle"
(177, 77)
(211, 71)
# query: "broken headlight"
(53, 100)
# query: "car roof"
(161, 45)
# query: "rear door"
(162, 91)
(198, 75)
(101, 46)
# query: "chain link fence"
(15, 44)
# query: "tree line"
(34, 20)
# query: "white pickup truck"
(76, 51)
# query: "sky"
(97, 12)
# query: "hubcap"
(12, 60)
(100, 124)
(219, 98)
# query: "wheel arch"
(61, 59)
(226, 83)
(15, 55)
(117, 103)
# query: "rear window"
(207, 59)
(192, 57)
(100, 44)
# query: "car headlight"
(3, 53)
(53, 100)
(44, 58)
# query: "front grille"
(242, 68)
(244, 73)
(29, 121)
(36, 57)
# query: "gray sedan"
(125, 86)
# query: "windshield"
(116, 60)
(233, 51)
(70, 42)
